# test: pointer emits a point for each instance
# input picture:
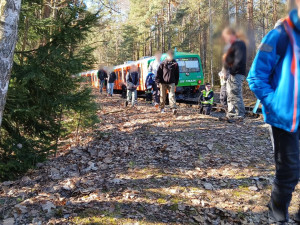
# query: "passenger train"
(190, 79)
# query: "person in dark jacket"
(132, 82)
(274, 79)
(111, 82)
(235, 62)
(153, 67)
(168, 77)
(206, 100)
(102, 76)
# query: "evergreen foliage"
(183, 24)
(44, 92)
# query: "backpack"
(150, 80)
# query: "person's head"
(133, 68)
(229, 35)
(298, 4)
(170, 55)
(292, 4)
(207, 86)
(158, 56)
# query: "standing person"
(206, 100)
(132, 81)
(153, 68)
(102, 75)
(274, 78)
(168, 78)
(235, 62)
(149, 85)
(111, 82)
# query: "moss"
(161, 201)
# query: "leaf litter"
(141, 167)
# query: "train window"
(188, 65)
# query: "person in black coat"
(132, 81)
(168, 77)
(102, 76)
(235, 62)
(111, 82)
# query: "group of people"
(232, 76)
(274, 78)
(163, 77)
(110, 79)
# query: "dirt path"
(142, 167)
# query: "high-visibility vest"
(205, 94)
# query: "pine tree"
(44, 93)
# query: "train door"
(145, 71)
(141, 77)
(96, 79)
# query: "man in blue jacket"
(275, 80)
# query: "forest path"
(143, 167)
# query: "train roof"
(134, 62)
(185, 54)
(177, 55)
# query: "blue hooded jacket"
(279, 90)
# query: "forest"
(59, 39)
(70, 154)
(140, 28)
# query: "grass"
(241, 191)
(99, 217)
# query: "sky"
(122, 5)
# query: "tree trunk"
(204, 49)
(251, 34)
(9, 18)
(210, 43)
(237, 12)
(226, 13)
(263, 18)
(169, 24)
(275, 14)
(200, 31)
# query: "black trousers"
(149, 95)
(205, 109)
(286, 152)
(156, 94)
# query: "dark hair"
(207, 84)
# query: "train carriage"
(190, 79)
